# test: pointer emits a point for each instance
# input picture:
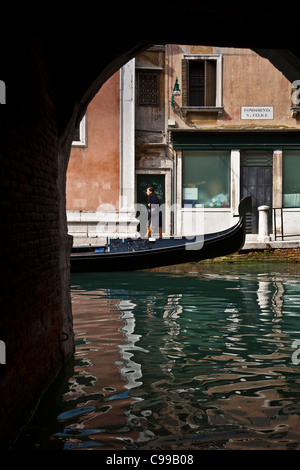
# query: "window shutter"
(185, 81)
(210, 82)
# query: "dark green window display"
(206, 178)
(291, 179)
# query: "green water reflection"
(191, 357)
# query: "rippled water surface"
(197, 357)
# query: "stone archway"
(50, 73)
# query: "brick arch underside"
(50, 72)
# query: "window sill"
(202, 109)
(206, 209)
(78, 143)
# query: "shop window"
(206, 179)
(291, 181)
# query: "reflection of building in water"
(233, 382)
(250, 388)
(174, 362)
(97, 382)
(130, 370)
(172, 311)
(269, 297)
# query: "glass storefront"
(206, 178)
(291, 179)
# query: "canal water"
(193, 357)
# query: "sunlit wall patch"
(2, 92)
(2, 352)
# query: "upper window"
(148, 88)
(79, 138)
(291, 181)
(202, 82)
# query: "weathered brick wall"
(32, 240)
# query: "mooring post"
(263, 230)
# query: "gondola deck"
(135, 254)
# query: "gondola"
(136, 254)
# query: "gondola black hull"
(166, 252)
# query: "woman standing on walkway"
(154, 214)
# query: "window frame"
(151, 71)
(208, 154)
(218, 58)
(82, 142)
(285, 156)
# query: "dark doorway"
(158, 183)
(256, 181)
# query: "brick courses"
(31, 319)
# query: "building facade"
(205, 126)
(101, 171)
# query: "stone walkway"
(269, 254)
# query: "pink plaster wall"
(93, 171)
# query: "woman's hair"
(151, 189)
